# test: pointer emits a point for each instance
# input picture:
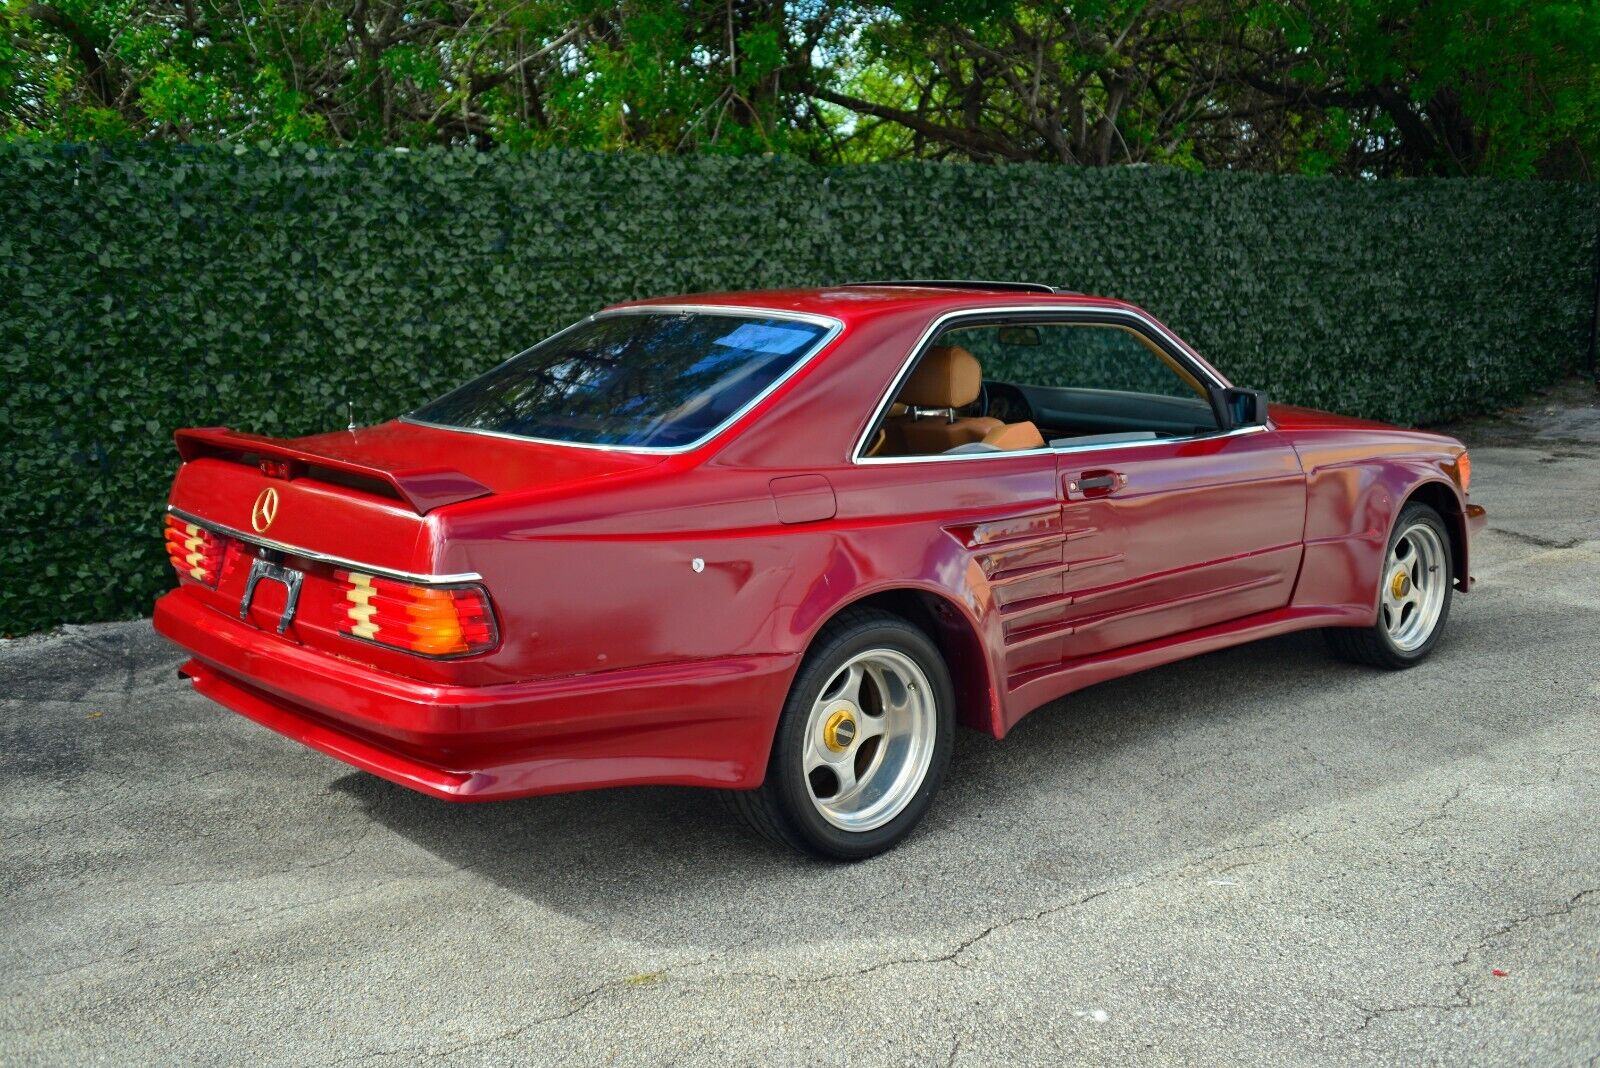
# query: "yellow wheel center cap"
(1401, 584)
(839, 731)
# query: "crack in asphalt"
(953, 955)
(364, 832)
(1461, 998)
(1560, 760)
(583, 1001)
(580, 1002)
(1441, 812)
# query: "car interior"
(1006, 387)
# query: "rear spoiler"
(423, 488)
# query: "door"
(1168, 537)
(1168, 523)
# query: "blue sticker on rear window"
(780, 340)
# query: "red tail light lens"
(196, 553)
(429, 620)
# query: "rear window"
(643, 380)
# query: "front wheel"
(862, 744)
(1413, 596)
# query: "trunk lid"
(294, 514)
(426, 467)
(365, 495)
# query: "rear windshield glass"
(650, 380)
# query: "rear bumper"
(698, 723)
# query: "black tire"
(1374, 646)
(781, 808)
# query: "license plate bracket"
(265, 567)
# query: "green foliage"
(1494, 87)
(1503, 88)
(685, 75)
(152, 287)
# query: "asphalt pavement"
(1261, 856)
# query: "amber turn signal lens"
(1464, 472)
(427, 620)
(195, 552)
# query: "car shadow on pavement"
(1112, 783)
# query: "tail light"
(196, 553)
(428, 620)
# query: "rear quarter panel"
(594, 584)
(610, 581)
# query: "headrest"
(947, 376)
(1015, 436)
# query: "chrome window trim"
(326, 558)
(1150, 326)
(1101, 447)
(834, 328)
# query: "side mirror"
(1235, 408)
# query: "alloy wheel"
(869, 740)
(1414, 586)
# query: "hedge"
(156, 286)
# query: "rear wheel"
(1413, 596)
(862, 744)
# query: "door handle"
(1095, 484)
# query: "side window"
(1002, 387)
(1080, 382)
(1078, 356)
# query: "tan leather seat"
(946, 378)
(1014, 436)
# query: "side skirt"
(1048, 685)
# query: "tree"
(659, 77)
(1450, 87)
(1376, 87)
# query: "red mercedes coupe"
(782, 543)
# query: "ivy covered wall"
(151, 287)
